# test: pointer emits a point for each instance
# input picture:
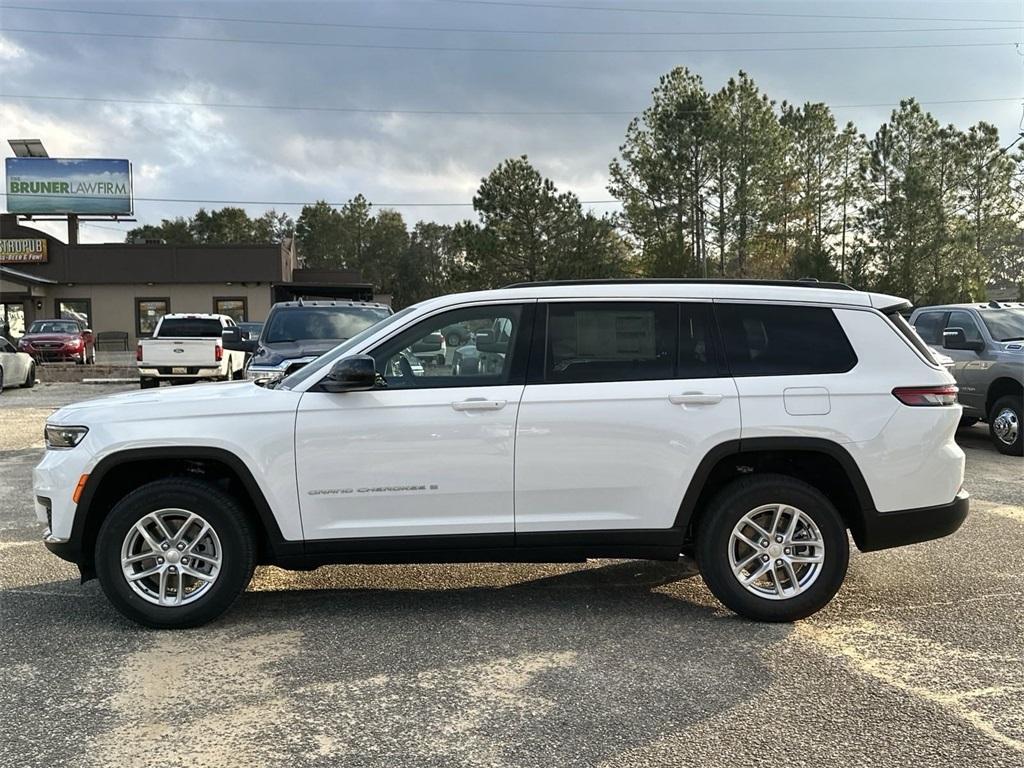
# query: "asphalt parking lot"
(919, 661)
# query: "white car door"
(430, 454)
(623, 401)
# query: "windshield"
(53, 326)
(322, 323)
(1005, 324)
(189, 328)
(328, 358)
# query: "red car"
(59, 340)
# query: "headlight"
(63, 437)
(263, 375)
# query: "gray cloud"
(194, 152)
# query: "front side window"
(780, 340)
(148, 313)
(79, 310)
(929, 327)
(420, 357)
(960, 319)
(611, 341)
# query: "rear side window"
(189, 328)
(776, 340)
(929, 327)
(911, 335)
(612, 341)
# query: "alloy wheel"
(171, 557)
(776, 551)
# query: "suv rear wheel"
(1004, 425)
(772, 548)
(175, 553)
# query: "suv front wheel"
(175, 553)
(772, 548)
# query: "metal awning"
(25, 277)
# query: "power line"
(282, 203)
(491, 30)
(468, 49)
(426, 112)
(691, 12)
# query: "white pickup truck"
(189, 347)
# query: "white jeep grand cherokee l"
(749, 424)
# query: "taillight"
(218, 353)
(944, 394)
(138, 352)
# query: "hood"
(50, 336)
(243, 398)
(279, 352)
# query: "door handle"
(478, 404)
(695, 398)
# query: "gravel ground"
(919, 661)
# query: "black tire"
(1003, 409)
(146, 383)
(219, 509)
(1, 381)
(30, 380)
(715, 531)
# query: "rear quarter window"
(782, 340)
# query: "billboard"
(23, 250)
(37, 185)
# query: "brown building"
(126, 288)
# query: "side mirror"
(87, 330)
(235, 340)
(487, 341)
(955, 338)
(351, 374)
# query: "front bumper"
(55, 356)
(882, 530)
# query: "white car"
(17, 369)
(750, 424)
(186, 348)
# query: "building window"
(79, 310)
(234, 307)
(148, 313)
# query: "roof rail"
(803, 282)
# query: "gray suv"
(986, 342)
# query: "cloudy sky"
(161, 99)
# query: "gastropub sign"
(23, 250)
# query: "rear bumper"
(882, 530)
(191, 372)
